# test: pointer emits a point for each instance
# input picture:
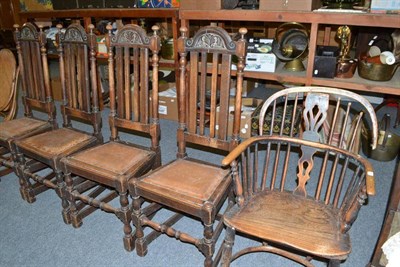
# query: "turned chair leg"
(25, 189)
(140, 242)
(227, 247)
(208, 246)
(334, 263)
(126, 218)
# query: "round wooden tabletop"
(8, 66)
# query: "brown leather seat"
(113, 163)
(20, 127)
(186, 180)
(56, 144)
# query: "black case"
(64, 4)
(120, 3)
(91, 3)
(325, 61)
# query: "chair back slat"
(132, 56)
(192, 93)
(144, 83)
(213, 93)
(32, 61)
(204, 98)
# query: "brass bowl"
(376, 71)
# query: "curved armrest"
(235, 153)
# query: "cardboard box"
(159, 4)
(249, 105)
(201, 5)
(55, 84)
(248, 85)
(167, 101)
(378, 6)
(292, 5)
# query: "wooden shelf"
(116, 13)
(103, 13)
(315, 20)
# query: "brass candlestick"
(345, 65)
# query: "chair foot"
(141, 247)
(66, 217)
(76, 220)
(27, 195)
(129, 243)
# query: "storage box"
(159, 3)
(201, 5)
(248, 85)
(325, 61)
(56, 88)
(62, 4)
(259, 56)
(167, 101)
(120, 3)
(249, 105)
(255, 124)
(292, 5)
(385, 5)
(90, 3)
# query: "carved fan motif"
(210, 40)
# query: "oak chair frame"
(192, 129)
(78, 73)
(260, 168)
(132, 112)
(39, 109)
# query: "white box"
(259, 56)
(260, 62)
(384, 5)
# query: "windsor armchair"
(111, 165)
(301, 194)
(187, 185)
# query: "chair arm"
(235, 153)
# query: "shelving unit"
(315, 20)
(87, 15)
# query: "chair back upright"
(205, 86)
(77, 57)
(34, 71)
(133, 64)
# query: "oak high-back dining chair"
(39, 109)
(131, 53)
(79, 110)
(189, 186)
(299, 195)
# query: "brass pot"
(388, 142)
(376, 71)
